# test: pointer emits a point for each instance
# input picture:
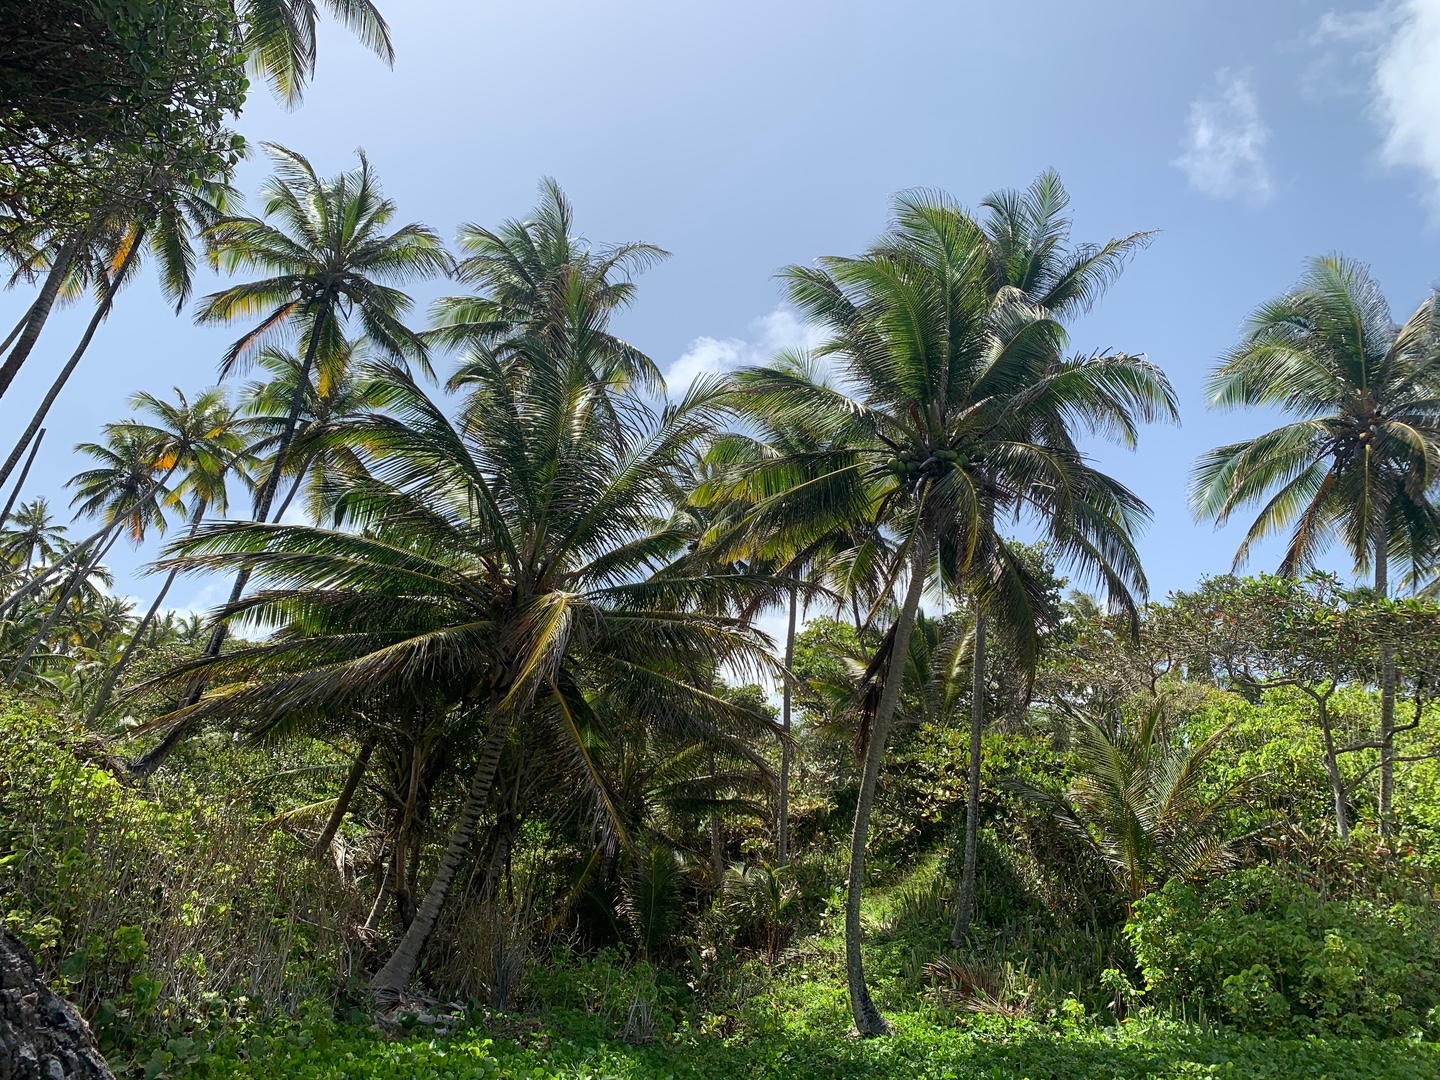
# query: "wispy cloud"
(769, 334)
(1407, 90)
(1225, 142)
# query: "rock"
(42, 1036)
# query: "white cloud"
(1407, 90)
(769, 334)
(1225, 142)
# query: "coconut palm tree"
(124, 490)
(279, 38)
(506, 563)
(34, 533)
(1360, 460)
(1029, 255)
(956, 411)
(207, 442)
(331, 262)
(163, 217)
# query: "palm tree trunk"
(155, 757)
(342, 802)
(965, 906)
(35, 319)
(20, 483)
(102, 309)
(1332, 770)
(117, 669)
(868, 1021)
(1387, 692)
(717, 840)
(403, 962)
(782, 828)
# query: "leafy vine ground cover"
(920, 1049)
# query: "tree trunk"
(342, 802)
(1332, 770)
(117, 669)
(102, 309)
(20, 483)
(395, 976)
(156, 756)
(1387, 694)
(39, 312)
(717, 840)
(782, 828)
(868, 1021)
(965, 905)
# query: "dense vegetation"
(486, 766)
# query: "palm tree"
(279, 38)
(331, 261)
(35, 533)
(1140, 799)
(166, 213)
(334, 392)
(963, 409)
(204, 440)
(124, 490)
(1360, 460)
(1029, 255)
(507, 567)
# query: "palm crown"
(1361, 458)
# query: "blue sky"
(743, 136)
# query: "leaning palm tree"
(124, 490)
(165, 213)
(959, 411)
(331, 261)
(503, 564)
(215, 452)
(1360, 460)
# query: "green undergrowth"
(922, 1046)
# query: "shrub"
(1270, 953)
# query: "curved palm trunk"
(868, 1021)
(117, 669)
(148, 762)
(965, 906)
(1387, 693)
(342, 802)
(20, 483)
(101, 311)
(405, 960)
(35, 318)
(782, 828)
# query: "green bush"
(1266, 952)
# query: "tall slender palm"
(1029, 255)
(167, 211)
(124, 490)
(962, 410)
(207, 443)
(1360, 460)
(331, 261)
